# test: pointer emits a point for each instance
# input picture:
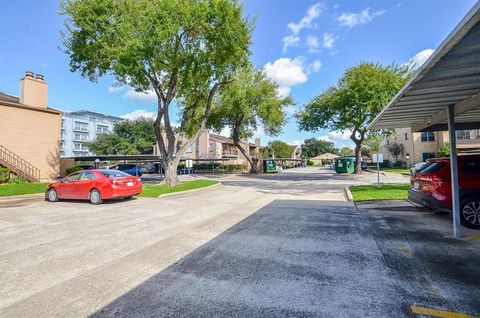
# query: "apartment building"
(419, 147)
(30, 131)
(213, 146)
(81, 126)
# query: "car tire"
(95, 197)
(470, 212)
(52, 195)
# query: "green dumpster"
(269, 166)
(345, 165)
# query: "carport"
(443, 95)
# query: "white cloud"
(312, 43)
(290, 41)
(296, 142)
(139, 113)
(290, 109)
(287, 73)
(328, 40)
(306, 22)
(350, 19)
(149, 96)
(418, 59)
(325, 138)
(226, 132)
(114, 89)
(314, 67)
(259, 133)
(339, 135)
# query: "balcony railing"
(229, 152)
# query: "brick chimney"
(33, 91)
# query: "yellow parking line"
(438, 312)
(473, 238)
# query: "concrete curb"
(189, 191)
(23, 196)
(348, 194)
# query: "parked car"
(417, 168)
(95, 186)
(431, 187)
(130, 168)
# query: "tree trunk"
(170, 172)
(252, 161)
(358, 159)
(358, 148)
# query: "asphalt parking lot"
(273, 246)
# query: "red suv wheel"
(470, 212)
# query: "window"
(428, 136)
(471, 167)
(74, 176)
(80, 136)
(91, 118)
(478, 133)
(189, 148)
(463, 134)
(114, 174)
(63, 123)
(432, 167)
(62, 145)
(79, 146)
(406, 136)
(62, 134)
(102, 129)
(428, 155)
(81, 126)
(87, 175)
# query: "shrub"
(4, 174)
(310, 163)
(17, 180)
(72, 170)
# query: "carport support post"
(454, 171)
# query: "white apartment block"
(81, 126)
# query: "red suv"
(431, 187)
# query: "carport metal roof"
(451, 76)
(444, 94)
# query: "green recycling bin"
(269, 166)
(345, 165)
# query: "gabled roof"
(221, 138)
(14, 101)
(9, 98)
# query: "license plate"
(416, 186)
(130, 184)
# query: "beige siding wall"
(34, 136)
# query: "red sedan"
(95, 186)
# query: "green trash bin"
(345, 165)
(269, 166)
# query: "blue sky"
(303, 45)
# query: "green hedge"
(4, 174)
(72, 170)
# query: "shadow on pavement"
(311, 259)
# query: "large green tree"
(279, 149)
(313, 147)
(129, 137)
(359, 96)
(184, 51)
(248, 103)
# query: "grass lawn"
(402, 171)
(388, 191)
(24, 188)
(155, 190)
